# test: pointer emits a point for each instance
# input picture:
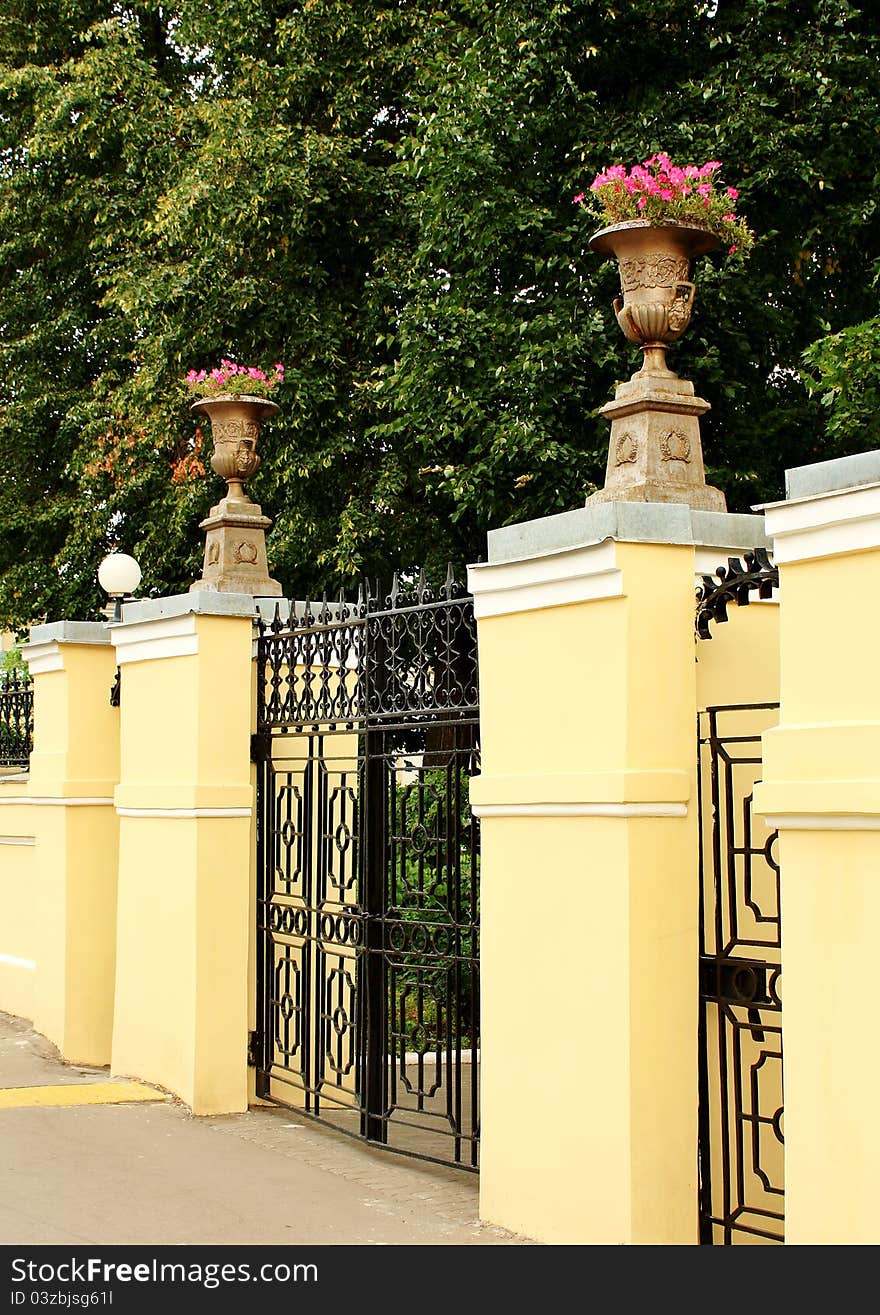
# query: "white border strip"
(62, 801)
(161, 637)
(581, 810)
(18, 840)
(12, 961)
(820, 822)
(572, 575)
(844, 520)
(184, 812)
(41, 658)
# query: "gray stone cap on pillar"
(628, 522)
(203, 602)
(831, 476)
(69, 632)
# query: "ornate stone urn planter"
(235, 429)
(657, 294)
(655, 453)
(235, 543)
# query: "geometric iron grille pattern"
(741, 1104)
(368, 862)
(16, 718)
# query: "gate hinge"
(261, 746)
(252, 1049)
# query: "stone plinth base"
(655, 453)
(701, 497)
(235, 550)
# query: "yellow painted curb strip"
(92, 1093)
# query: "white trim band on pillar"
(581, 810)
(58, 801)
(572, 575)
(822, 822)
(184, 812)
(18, 840)
(13, 961)
(163, 637)
(41, 658)
(825, 524)
(43, 651)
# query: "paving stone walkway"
(105, 1161)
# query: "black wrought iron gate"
(368, 867)
(741, 1109)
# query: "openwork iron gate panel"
(16, 718)
(368, 867)
(741, 1109)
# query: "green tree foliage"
(844, 370)
(379, 194)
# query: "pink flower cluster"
(666, 181)
(229, 377)
(660, 191)
(228, 369)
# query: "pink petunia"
(732, 193)
(732, 249)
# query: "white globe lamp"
(118, 575)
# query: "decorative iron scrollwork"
(16, 718)
(734, 583)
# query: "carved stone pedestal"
(235, 550)
(655, 454)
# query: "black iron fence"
(742, 1192)
(368, 867)
(16, 718)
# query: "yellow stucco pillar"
(821, 789)
(184, 802)
(73, 771)
(589, 885)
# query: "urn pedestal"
(655, 453)
(235, 540)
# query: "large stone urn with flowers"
(235, 538)
(655, 452)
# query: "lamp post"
(118, 575)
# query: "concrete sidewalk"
(147, 1171)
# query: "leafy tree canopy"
(378, 193)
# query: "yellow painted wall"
(589, 924)
(184, 882)
(740, 663)
(18, 927)
(554, 1033)
(831, 899)
(76, 735)
(828, 653)
(822, 779)
(181, 1002)
(75, 756)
